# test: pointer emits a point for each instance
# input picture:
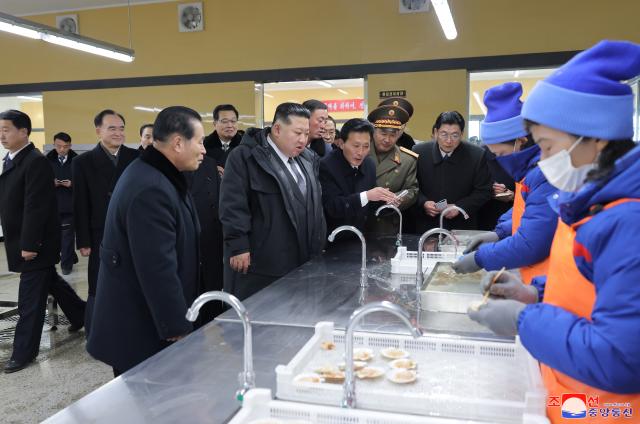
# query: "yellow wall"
(34, 110)
(267, 34)
(73, 111)
(429, 92)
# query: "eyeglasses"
(227, 121)
(451, 136)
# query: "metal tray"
(446, 291)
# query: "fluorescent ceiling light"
(31, 98)
(37, 31)
(268, 95)
(446, 19)
(147, 109)
(482, 107)
(516, 74)
(324, 84)
(343, 91)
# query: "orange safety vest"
(567, 288)
(528, 271)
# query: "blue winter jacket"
(604, 352)
(531, 243)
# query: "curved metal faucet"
(363, 267)
(349, 393)
(423, 238)
(246, 378)
(395, 208)
(443, 213)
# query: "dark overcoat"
(29, 211)
(149, 264)
(462, 179)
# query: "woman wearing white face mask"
(585, 326)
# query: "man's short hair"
(220, 108)
(142, 128)
(284, 111)
(175, 120)
(19, 119)
(97, 121)
(63, 136)
(313, 105)
(356, 125)
(449, 118)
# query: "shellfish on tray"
(308, 378)
(370, 372)
(327, 345)
(394, 353)
(400, 376)
(333, 377)
(362, 354)
(403, 364)
(357, 365)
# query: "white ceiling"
(38, 7)
(515, 74)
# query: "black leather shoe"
(66, 271)
(13, 366)
(73, 328)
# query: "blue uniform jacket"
(604, 352)
(532, 241)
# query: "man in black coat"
(271, 206)
(60, 159)
(226, 135)
(31, 226)
(319, 115)
(348, 178)
(450, 172)
(95, 174)
(149, 268)
(204, 185)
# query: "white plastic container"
(258, 407)
(406, 261)
(457, 378)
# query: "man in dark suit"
(204, 185)
(60, 159)
(225, 137)
(348, 178)
(149, 268)
(31, 226)
(95, 174)
(450, 172)
(146, 136)
(319, 115)
(271, 206)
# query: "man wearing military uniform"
(395, 166)
(404, 140)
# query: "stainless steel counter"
(192, 381)
(327, 288)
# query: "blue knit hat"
(586, 96)
(503, 121)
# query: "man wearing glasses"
(226, 135)
(450, 172)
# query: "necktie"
(225, 147)
(61, 159)
(302, 184)
(8, 163)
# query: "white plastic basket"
(457, 378)
(258, 407)
(406, 261)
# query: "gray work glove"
(509, 286)
(500, 316)
(466, 264)
(480, 239)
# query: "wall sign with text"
(393, 93)
(344, 105)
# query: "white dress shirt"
(13, 155)
(285, 159)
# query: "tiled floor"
(62, 373)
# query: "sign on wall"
(393, 93)
(344, 105)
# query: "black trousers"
(32, 303)
(68, 255)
